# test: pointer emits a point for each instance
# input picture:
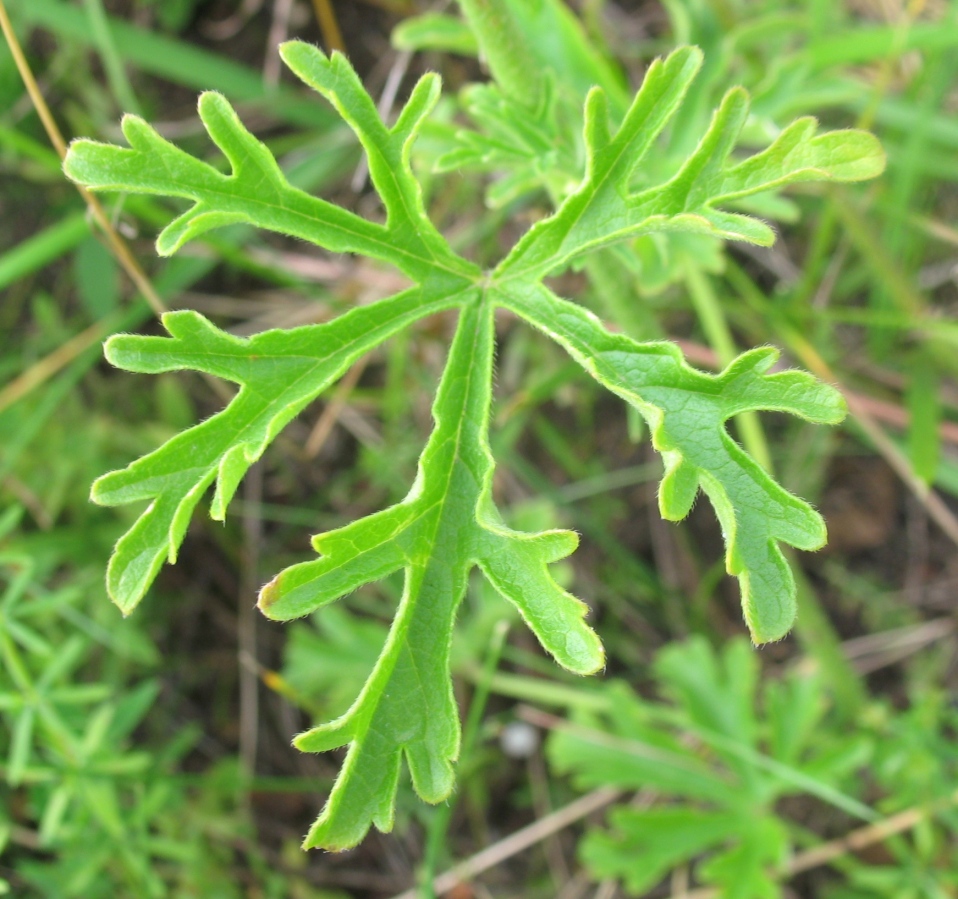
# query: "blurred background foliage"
(150, 756)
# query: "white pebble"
(519, 739)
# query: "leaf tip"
(588, 655)
(841, 404)
(268, 596)
(296, 49)
(849, 155)
(685, 53)
(768, 593)
(72, 162)
(678, 489)
(191, 224)
(111, 352)
(126, 584)
(687, 60)
(762, 637)
(736, 99)
(107, 489)
(275, 603)
(211, 101)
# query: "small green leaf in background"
(717, 761)
(435, 31)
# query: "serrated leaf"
(448, 522)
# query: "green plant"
(449, 523)
(87, 810)
(914, 764)
(717, 759)
(721, 748)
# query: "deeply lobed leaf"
(279, 373)
(603, 210)
(257, 192)
(686, 411)
(445, 526)
(448, 523)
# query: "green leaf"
(523, 140)
(746, 870)
(20, 746)
(646, 844)
(445, 525)
(716, 691)
(258, 193)
(724, 809)
(604, 211)
(519, 41)
(924, 406)
(279, 373)
(794, 708)
(633, 752)
(326, 665)
(435, 31)
(686, 411)
(448, 523)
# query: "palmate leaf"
(448, 522)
